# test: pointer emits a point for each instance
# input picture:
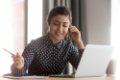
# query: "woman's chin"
(59, 38)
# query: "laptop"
(94, 61)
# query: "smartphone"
(69, 33)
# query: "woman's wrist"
(79, 43)
(18, 66)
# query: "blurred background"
(24, 20)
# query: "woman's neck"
(53, 39)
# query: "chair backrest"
(111, 67)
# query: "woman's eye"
(65, 26)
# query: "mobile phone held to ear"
(69, 33)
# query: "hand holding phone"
(75, 36)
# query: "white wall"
(34, 19)
(96, 16)
(18, 24)
(11, 31)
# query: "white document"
(26, 77)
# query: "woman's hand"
(18, 61)
(76, 36)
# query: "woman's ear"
(47, 25)
(48, 28)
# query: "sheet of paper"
(26, 77)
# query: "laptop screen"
(94, 60)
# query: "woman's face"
(59, 26)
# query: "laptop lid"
(94, 60)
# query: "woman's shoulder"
(38, 41)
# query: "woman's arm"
(78, 47)
(75, 55)
(76, 37)
(28, 57)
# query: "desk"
(90, 78)
(56, 78)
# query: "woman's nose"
(60, 29)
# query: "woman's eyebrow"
(60, 22)
(65, 22)
(56, 21)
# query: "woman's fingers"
(17, 54)
(16, 57)
(75, 32)
(18, 61)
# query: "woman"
(49, 54)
